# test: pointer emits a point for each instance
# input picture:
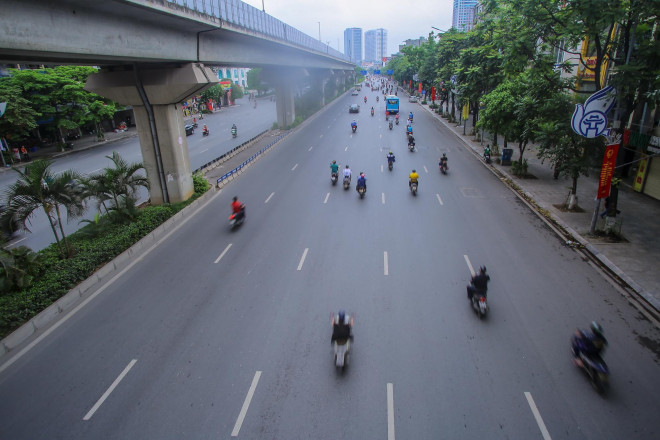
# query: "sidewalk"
(84, 143)
(634, 260)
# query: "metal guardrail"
(250, 159)
(241, 14)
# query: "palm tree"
(37, 187)
(118, 185)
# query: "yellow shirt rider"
(413, 178)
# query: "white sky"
(403, 19)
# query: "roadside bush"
(519, 169)
(200, 184)
(54, 276)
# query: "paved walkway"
(636, 260)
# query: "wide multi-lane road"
(217, 333)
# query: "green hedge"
(58, 276)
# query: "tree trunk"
(453, 106)
(475, 115)
(52, 227)
(572, 199)
(64, 240)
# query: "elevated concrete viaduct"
(155, 54)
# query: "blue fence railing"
(241, 14)
(228, 174)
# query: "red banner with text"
(607, 170)
(432, 93)
(420, 88)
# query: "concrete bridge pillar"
(156, 94)
(284, 102)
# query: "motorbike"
(234, 132)
(376, 98)
(479, 303)
(362, 190)
(397, 121)
(413, 188)
(390, 125)
(347, 182)
(593, 365)
(443, 168)
(341, 347)
(333, 178)
(411, 146)
(372, 112)
(236, 219)
(487, 157)
(205, 133)
(390, 165)
(354, 128)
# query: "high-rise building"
(353, 44)
(464, 12)
(375, 45)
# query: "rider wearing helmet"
(390, 157)
(341, 327)
(592, 342)
(413, 178)
(334, 168)
(443, 160)
(361, 182)
(478, 283)
(347, 173)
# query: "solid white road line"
(222, 254)
(439, 199)
(295, 166)
(105, 395)
(326, 198)
(135, 261)
(302, 259)
(386, 269)
(271, 195)
(427, 171)
(467, 260)
(246, 404)
(390, 411)
(537, 416)
(382, 197)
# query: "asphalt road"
(202, 149)
(218, 333)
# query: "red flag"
(606, 171)
(432, 93)
(420, 87)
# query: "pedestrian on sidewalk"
(24, 153)
(17, 154)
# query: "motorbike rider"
(372, 111)
(237, 208)
(397, 118)
(487, 150)
(390, 157)
(365, 99)
(411, 140)
(347, 173)
(413, 178)
(409, 130)
(443, 161)
(334, 168)
(478, 283)
(592, 343)
(233, 128)
(361, 182)
(341, 327)
(205, 129)
(410, 116)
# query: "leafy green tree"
(38, 188)
(19, 118)
(254, 80)
(236, 91)
(214, 92)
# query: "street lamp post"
(319, 30)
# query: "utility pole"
(319, 30)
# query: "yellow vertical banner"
(466, 110)
(641, 173)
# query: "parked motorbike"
(593, 365)
(413, 188)
(333, 178)
(347, 182)
(237, 219)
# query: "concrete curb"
(645, 300)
